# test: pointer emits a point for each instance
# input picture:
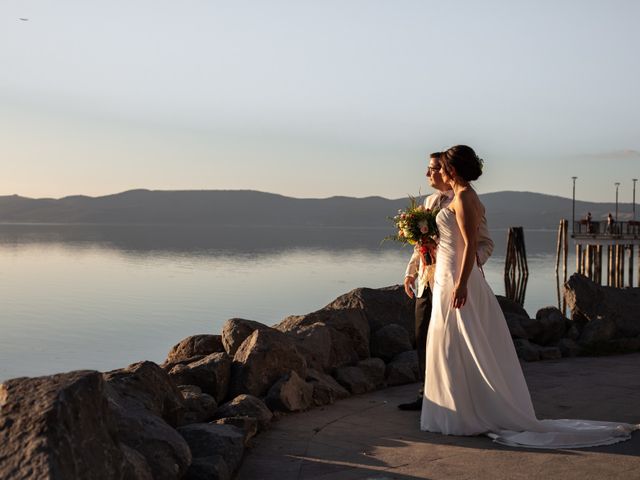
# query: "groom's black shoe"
(417, 405)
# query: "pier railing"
(629, 229)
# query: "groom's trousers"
(423, 315)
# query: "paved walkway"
(367, 437)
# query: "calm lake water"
(102, 297)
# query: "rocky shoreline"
(193, 416)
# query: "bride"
(473, 380)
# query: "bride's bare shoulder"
(470, 201)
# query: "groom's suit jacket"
(415, 267)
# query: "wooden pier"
(605, 251)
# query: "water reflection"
(82, 296)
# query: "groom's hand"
(408, 281)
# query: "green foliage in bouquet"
(416, 225)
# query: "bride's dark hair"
(467, 164)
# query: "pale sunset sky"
(317, 98)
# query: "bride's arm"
(467, 218)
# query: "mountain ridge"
(255, 208)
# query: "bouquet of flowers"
(416, 226)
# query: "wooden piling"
(609, 265)
(630, 266)
(559, 245)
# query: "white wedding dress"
(473, 381)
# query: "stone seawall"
(193, 416)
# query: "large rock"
(380, 307)
(195, 345)
(552, 326)
(209, 468)
(59, 427)
(403, 369)
(389, 341)
(598, 331)
(374, 369)
(264, 357)
(588, 301)
(354, 380)
(165, 451)
(211, 374)
(531, 352)
(526, 350)
(348, 339)
(522, 327)
(510, 307)
(211, 439)
(249, 425)
(517, 318)
(246, 406)
(236, 330)
(323, 347)
(146, 385)
(569, 347)
(290, 394)
(200, 406)
(325, 388)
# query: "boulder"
(200, 406)
(380, 307)
(139, 428)
(598, 331)
(58, 427)
(374, 369)
(389, 341)
(246, 406)
(348, 339)
(236, 330)
(290, 394)
(354, 380)
(625, 345)
(552, 326)
(549, 353)
(403, 369)
(573, 332)
(510, 307)
(516, 329)
(138, 468)
(322, 347)
(569, 347)
(249, 425)
(526, 350)
(146, 385)
(195, 345)
(211, 374)
(325, 388)
(209, 468)
(211, 439)
(589, 301)
(264, 357)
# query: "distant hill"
(252, 208)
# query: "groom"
(416, 269)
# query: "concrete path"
(367, 437)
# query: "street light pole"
(617, 184)
(634, 198)
(573, 203)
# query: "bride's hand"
(459, 296)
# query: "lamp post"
(634, 198)
(617, 184)
(573, 203)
